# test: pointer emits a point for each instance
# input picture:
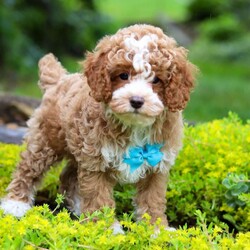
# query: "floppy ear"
(181, 80)
(96, 72)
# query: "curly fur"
(89, 119)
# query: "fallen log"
(16, 109)
(12, 135)
(14, 113)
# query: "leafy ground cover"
(208, 201)
(40, 229)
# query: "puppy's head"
(138, 73)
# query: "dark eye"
(156, 80)
(124, 76)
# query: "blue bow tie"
(137, 155)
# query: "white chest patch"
(113, 154)
(141, 50)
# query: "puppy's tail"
(50, 71)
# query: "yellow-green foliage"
(9, 156)
(40, 229)
(210, 152)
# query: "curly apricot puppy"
(119, 121)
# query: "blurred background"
(217, 33)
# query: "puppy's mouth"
(135, 118)
(136, 112)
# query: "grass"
(23, 88)
(27, 82)
(143, 10)
(221, 87)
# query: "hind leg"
(35, 161)
(69, 187)
(95, 189)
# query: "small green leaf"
(229, 218)
(239, 189)
(231, 203)
(228, 195)
(227, 183)
(240, 203)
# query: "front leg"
(96, 190)
(35, 161)
(151, 197)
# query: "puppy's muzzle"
(136, 101)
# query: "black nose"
(136, 101)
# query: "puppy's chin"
(135, 119)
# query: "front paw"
(170, 229)
(157, 231)
(117, 228)
(15, 208)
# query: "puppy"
(119, 121)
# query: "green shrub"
(215, 158)
(203, 10)
(30, 29)
(211, 151)
(222, 30)
(224, 37)
(238, 189)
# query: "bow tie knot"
(137, 155)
